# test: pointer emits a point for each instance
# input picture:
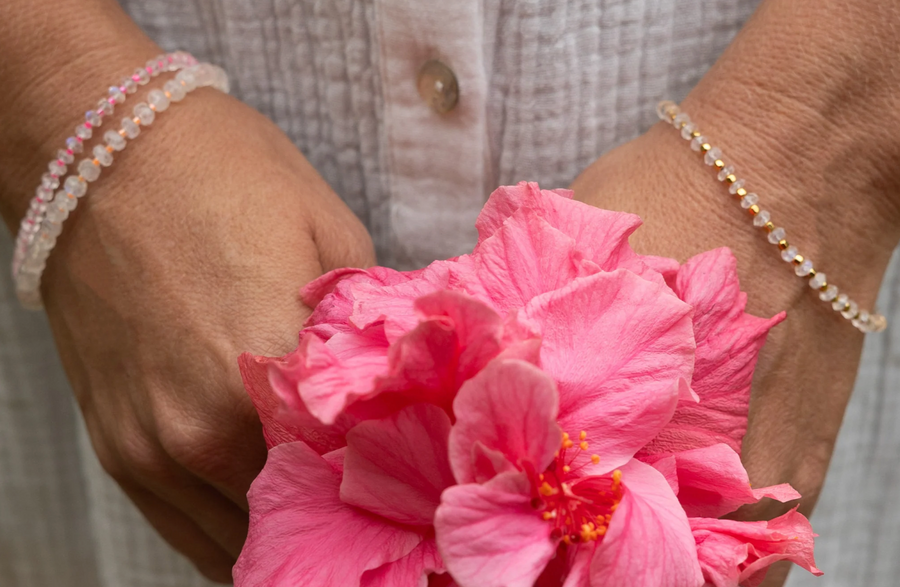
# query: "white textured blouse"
(544, 88)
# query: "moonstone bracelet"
(803, 267)
(48, 218)
(93, 119)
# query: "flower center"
(579, 507)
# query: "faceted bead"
(158, 100)
(57, 214)
(851, 311)
(129, 85)
(220, 80)
(804, 268)
(862, 320)
(57, 168)
(762, 218)
(52, 228)
(697, 142)
(187, 79)
(152, 67)
(733, 188)
(829, 294)
(687, 133)
(114, 140)
(728, 170)
(681, 120)
(141, 76)
(43, 194)
(750, 199)
(116, 94)
(103, 156)
(49, 181)
(83, 132)
(204, 74)
(93, 118)
(65, 156)
(88, 170)
(666, 109)
(144, 113)
(63, 199)
(75, 186)
(877, 323)
(131, 129)
(176, 92)
(713, 155)
(105, 106)
(74, 145)
(817, 281)
(789, 254)
(776, 235)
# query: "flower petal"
(302, 534)
(490, 536)
(410, 571)
(649, 540)
(510, 407)
(505, 200)
(397, 467)
(733, 552)
(618, 347)
(728, 343)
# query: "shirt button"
(438, 86)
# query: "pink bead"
(136, 78)
(111, 100)
(69, 151)
(87, 125)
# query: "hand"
(769, 103)
(188, 251)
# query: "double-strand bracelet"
(48, 210)
(840, 302)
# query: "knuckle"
(139, 453)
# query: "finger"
(183, 534)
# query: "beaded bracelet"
(803, 267)
(93, 119)
(45, 220)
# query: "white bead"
(851, 311)
(153, 67)
(176, 91)
(83, 132)
(49, 181)
(789, 254)
(681, 120)
(728, 170)
(713, 155)
(187, 79)
(749, 200)
(829, 294)
(63, 199)
(129, 85)
(57, 214)
(131, 129)
(144, 113)
(776, 235)
(75, 186)
(141, 76)
(116, 94)
(762, 218)
(862, 321)
(158, 100)
(93, 118)
(877, 323)
(733, 188)
(56, 168)
(114, 140)
(804, 268)
(205, 75)
(104, 106)
(52, 228)
(817, 281)
(665, 110)
(687, 133)
(88, 170)
(840, 302)
(74, 145)
(65, 156)
(103, 156)
(697, 143)
(43, 194)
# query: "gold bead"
(769, 227)
(731, 178)
(695, 134)
(782, 244)
(719, 164)
(797, 260)
(705, 147)
(754, 210)
(824, 286)
(740, 192)
(812, 273)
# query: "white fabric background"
(546, 87)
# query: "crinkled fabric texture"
(437, 400)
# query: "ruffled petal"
(490, 536)
(620, 350)
(410, 571)
(301, 533)
(736, 553)
(509, 408)
(397, 467)
(649, 540)
(728, 344)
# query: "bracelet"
(864, 320)
(47, 218)
(93, 119)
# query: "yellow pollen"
(548, 515)
(601, 530)
(546, 490)
(595, 459)
(617, 476)
(566, 539)
(582, 435)
(566, 468)
(565, 436)
(567, 443)
(541, 476)
(583, 445)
